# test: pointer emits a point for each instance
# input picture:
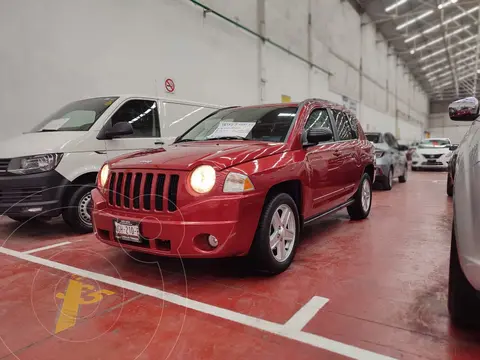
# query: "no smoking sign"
(169, 86)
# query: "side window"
(318, 118)
(343, 125)
(143, 116)
(389, 139)
(354, 125)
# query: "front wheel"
(362, 200)
(449, 186)
(78, 209)
(277, 235)
(463, 300)
(388, 180)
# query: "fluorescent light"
(435, 27)
(440, 38)
(395, 5)
(433, 64)
(444, 5)
(448, 47)
(415, 19)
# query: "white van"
(51, 170)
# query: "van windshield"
(77, 116)
(269, 123)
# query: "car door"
(142, 114)
(347, 148)
(394, 154)
(323, 165)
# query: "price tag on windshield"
(231, 128)
(55, 124)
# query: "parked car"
(411, 149)
(242, 181)
(464, 274)
(51, 170)
(451, 169)
(432, 153)
(391, 161)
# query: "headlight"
(104, 175)
(235, 183)
(379, 154)
(34, 164)
(202, 179)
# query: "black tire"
(387, 181)
(356, 210)
(463, 299)
(72, 212)
(403, 178)
(414, 168)
(261, 253)
(449, 186)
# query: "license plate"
(432, 161)
(127, 230)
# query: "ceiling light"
(435, 27)
(440, 38)
(411, 21)
(448, 47)
(395, 5)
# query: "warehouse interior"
(367, 284)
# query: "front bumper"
(231, 219)
(32, 195)
(420, 163)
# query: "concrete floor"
(369, 290)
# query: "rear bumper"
(231, 219)
(32, 195)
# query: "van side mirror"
(453, 147)
(464, 109)
(119, 129)
(318, 135)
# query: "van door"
(142, 114)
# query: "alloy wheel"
(366, 195)
(282, 233)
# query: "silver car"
(464, 274)
(391, 159)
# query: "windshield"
(375, 138)
(434, 143)
(76, 116)
(270, 124)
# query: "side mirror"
(119, 129)
(318, 135)
(453, 147)
(402, 147)
(464, 109)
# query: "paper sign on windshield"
(231, 128)
(55, 124)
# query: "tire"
(387, 182)
(463, 299)
(76, 209)
(265, 258)
(449, 186)
(414, 168)
(403, 178)
(358, 210)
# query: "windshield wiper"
(183, 140)
(47, 130)
(227, 138)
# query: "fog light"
(212, 240)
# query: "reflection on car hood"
(186, 156)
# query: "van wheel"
(277, 235)
(463, 300)
(77, 212)
(362, 200)
(449, 186)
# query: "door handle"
(159, 143)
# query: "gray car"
(464, 274)
(391, 159)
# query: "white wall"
(440, 125)
(56, 51)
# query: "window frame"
(330, 119)
(109, 122)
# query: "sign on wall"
(350, 104)
(169, 86)
(286, 99)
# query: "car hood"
(187, 156)
(41, 143)
(433, 150)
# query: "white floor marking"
(268, 326)
(306, 313)
(46, 247)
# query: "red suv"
(242, 181)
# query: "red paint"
(327, 180)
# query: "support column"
(360, 70)
(261, 49)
